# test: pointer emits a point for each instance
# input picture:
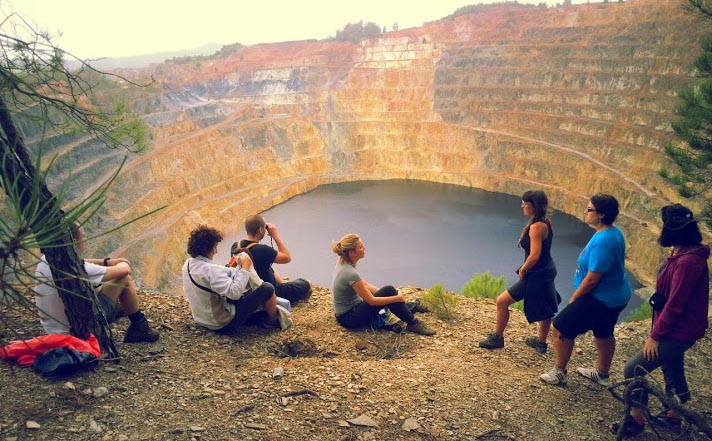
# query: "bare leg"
(544, 327)
(563, 348)
(606, 348)
(504, 300)
(270, 307)
(122, 291)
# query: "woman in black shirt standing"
(536, 277)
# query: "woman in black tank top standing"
(536, 277)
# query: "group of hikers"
(601, 291)
(248, 289)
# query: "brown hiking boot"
(140, 331)
(419, 327)
(533, 342)
(493, 341)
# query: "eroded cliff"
(572, 100)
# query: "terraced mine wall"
(573, 100)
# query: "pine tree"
(37, 89)
(694, 125)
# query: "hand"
(521, 273)
(271, 229)
(244, 261)
(650, 349)
(117, 261)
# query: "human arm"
(363, 289)
(685, 277)
(228, 282)
(650, 349)
(537, 234)
(371, 288)
(283, 254)
(277, 277)
(117, 268)
(110, 261)
(587, 285)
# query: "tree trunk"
(76, 292)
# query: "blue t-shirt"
(605, 253)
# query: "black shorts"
(587, 314)
(294, 290)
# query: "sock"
(602, 375)
(136, 316)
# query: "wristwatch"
(106, 261)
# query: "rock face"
(572, 100)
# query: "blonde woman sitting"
(357, 302)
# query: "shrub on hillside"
(643, 312)
(485, 286)
(440, 302)
(355, 32)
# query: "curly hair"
(203, 239)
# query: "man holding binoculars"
(263, 256)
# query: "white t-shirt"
(51, 308)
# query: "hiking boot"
(630, 427)
(140, 331)
(271, 323)
(533, 342)
(418, 306)
(419, 327)
(595, 375)
(664, 420)
(556, 376)
(493, 341)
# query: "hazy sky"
(115, 28)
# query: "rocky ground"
(318, 381)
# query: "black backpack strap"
(204, 288)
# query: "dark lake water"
(417, 233)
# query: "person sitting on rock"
(357, 302)
(114, 287)
(264, 256)
(223, 298)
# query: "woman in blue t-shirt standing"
(601, 291)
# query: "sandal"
(630, 428)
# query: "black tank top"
(545, 257)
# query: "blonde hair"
(344, 246)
